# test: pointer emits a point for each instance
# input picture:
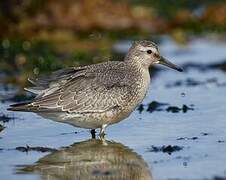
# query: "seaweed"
(38, 149)
(169, 149)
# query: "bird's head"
(147, 53)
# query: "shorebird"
(98, 95)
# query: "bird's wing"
(92, 89)
(47, 84)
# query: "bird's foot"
(102, 133)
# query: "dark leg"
(93, 133)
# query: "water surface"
(172, 143)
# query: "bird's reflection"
(92, 159)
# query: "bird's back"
(89, 89)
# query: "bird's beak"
(165, 62)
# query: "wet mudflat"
(177, 133)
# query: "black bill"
(167, 63)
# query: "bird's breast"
(143, 82)
(138, 89)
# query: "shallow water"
(200, 133)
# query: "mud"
(5, 118)
(37, 149)
(175, 109)
(1, 128)
(169, 149)
(158, 106)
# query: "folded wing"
(96, 88)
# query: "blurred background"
(38, 36)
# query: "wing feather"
(96, 88)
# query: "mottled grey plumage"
(97, 95)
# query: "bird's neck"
(136, 61)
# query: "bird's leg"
(102, 129)
(93, 133)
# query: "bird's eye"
(149, 51)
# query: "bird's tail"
(19, 107)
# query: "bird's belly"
(87, 120)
